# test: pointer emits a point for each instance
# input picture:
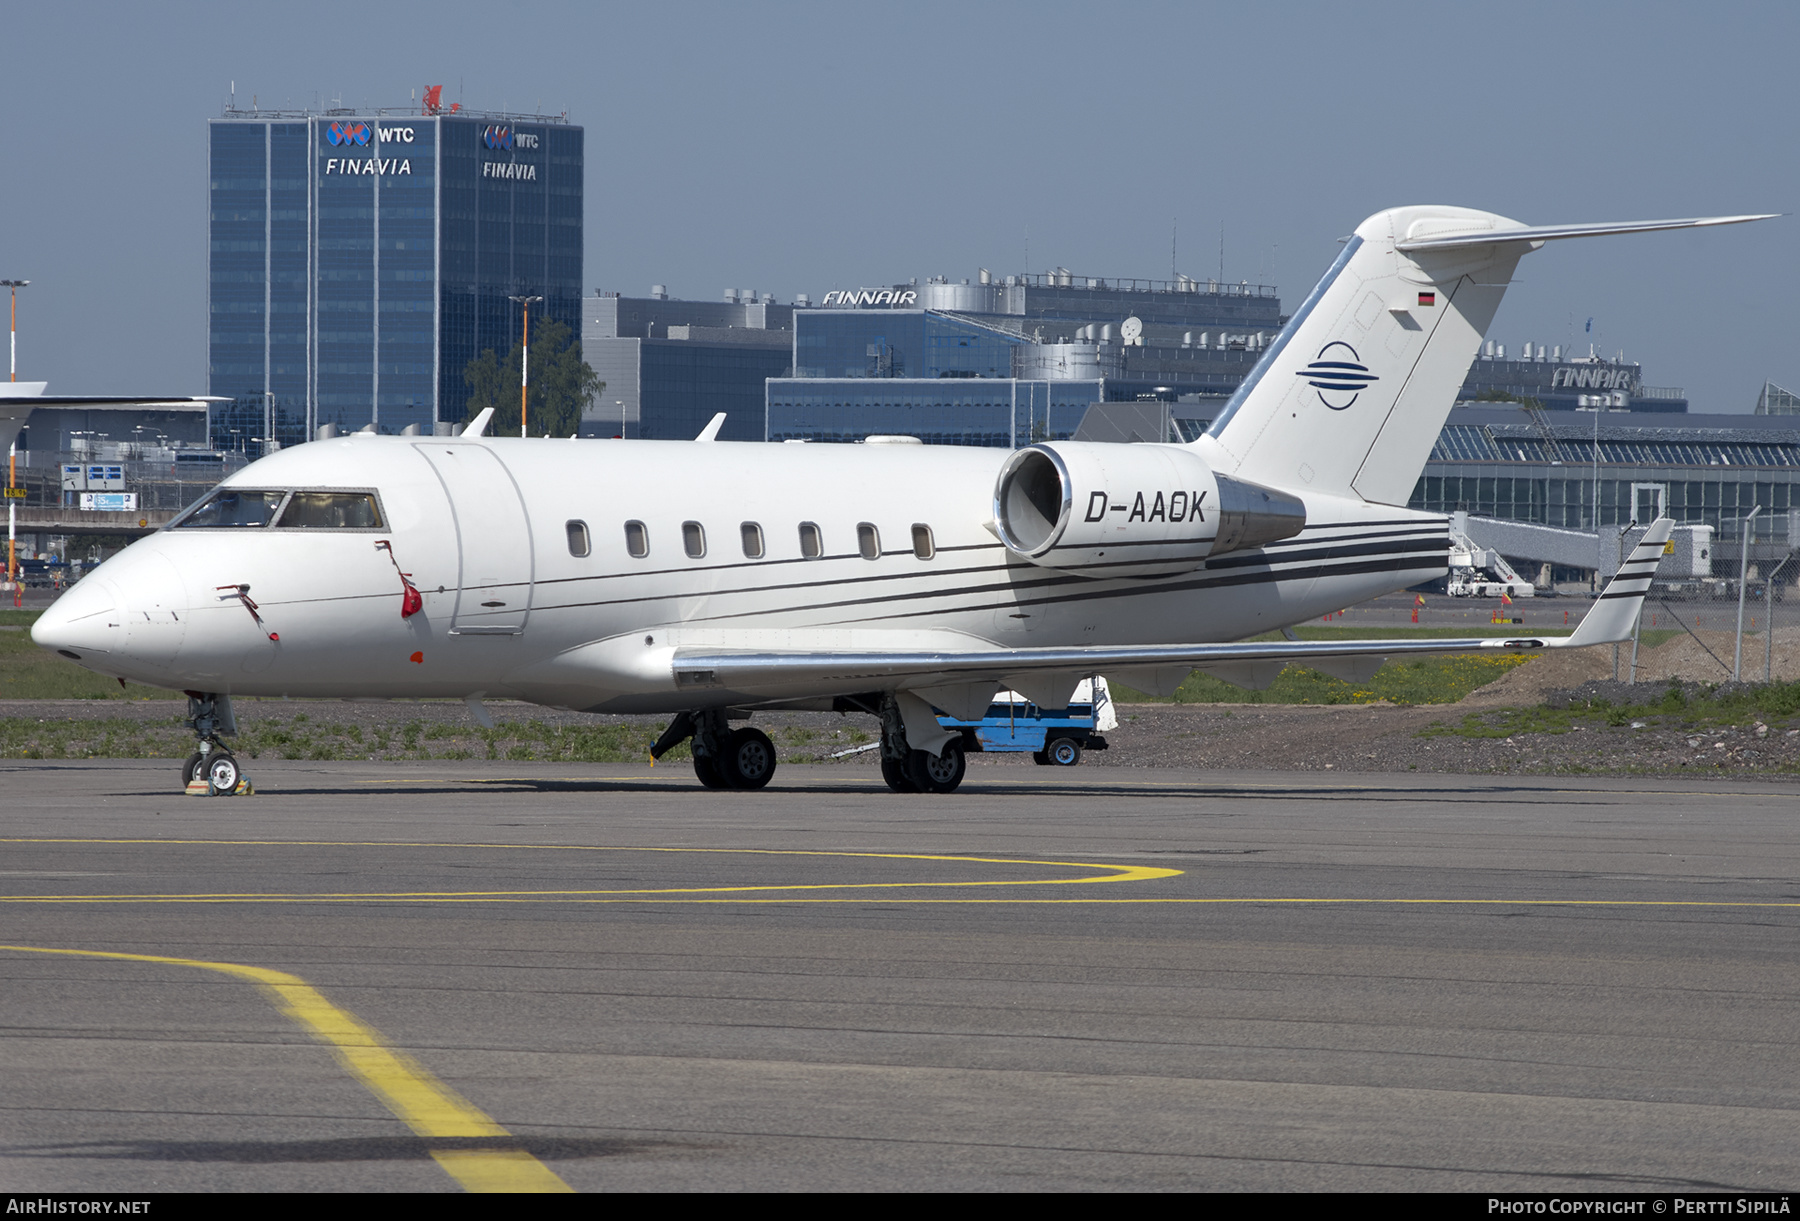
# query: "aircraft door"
(493, 535)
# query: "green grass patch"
(30, 673)
(1427, 680)
(1687, 708)
(307, 737)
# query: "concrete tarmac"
(432, 976)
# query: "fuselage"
(567, 572)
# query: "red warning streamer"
(411, 600)
(242, 594)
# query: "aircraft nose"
(85, 620)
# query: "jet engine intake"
(1107, 510)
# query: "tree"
(562, 384)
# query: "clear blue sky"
(797, 148)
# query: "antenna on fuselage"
(711, 431)
(479, 424)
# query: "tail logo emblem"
(1334, 377)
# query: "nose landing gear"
(213, 771)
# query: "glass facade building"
(1010, 362)
(1005, 412)
(671, 365)
(1490, 462)
(899, 344)
(359, 261)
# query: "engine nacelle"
(1108, 510)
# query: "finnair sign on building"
(855, 298)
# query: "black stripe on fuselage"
(1051, 578)
(1246, 578)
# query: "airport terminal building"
(360, 259)
(1008, 362)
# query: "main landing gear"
(916, 771)
(724, 758)
(212, 770)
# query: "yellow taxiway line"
(1108, 873)
(790, 892)
(425, 1104)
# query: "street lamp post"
(14, 286)
(12, 451)
(524, 357)
(1737, 657)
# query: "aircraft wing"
(1040, 674)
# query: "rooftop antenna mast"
(1221, 252)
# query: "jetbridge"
(1691, 558)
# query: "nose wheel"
(212, 771)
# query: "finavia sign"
(503, 139)
(373, 165)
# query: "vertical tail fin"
(1352, 396)
(1350, 399)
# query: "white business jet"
(707, 579)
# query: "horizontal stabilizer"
(1551, 233)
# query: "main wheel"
(894, 772)
(192, 770)
(1064, 752)
(707, 769)
(222, 773)
(749, 760)
(938, 773)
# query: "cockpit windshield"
(282, 509)
(331, 511)
(232, 509)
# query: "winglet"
(479, 424)
(711, 431)
(1609, 622)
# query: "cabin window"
(637, 539)
(923, 547)
(812, 544)
(578, 538)
(868, 541)
(693, 538)
(753, 540)
(331, 511)
(231, 509)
